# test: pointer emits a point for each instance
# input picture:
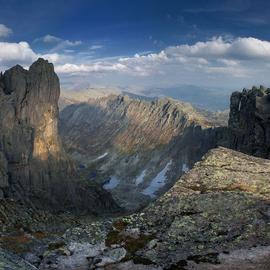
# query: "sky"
(141, 44)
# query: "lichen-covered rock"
(221, 205)
(249, 124)
(31, 152)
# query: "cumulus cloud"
(217, 61)
(5, 31)
(212, 62)
(96, 67)
(228, 62)
(216, 55)
(20, 52)
(240, 48)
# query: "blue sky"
(140, 44)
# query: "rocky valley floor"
(215, 217)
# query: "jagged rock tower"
(249, 123)
(33, 163)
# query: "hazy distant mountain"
(206, 98)
(69, 97)
(203, 98)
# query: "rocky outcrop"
(136, 148)
(33, 162)
(249, 123)
(217, 210)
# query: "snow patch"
(157, 182)
(140, 178)
(239, 105)
(113, 183)
(100, 157)
(185, 168)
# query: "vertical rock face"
(31, 154)
(249, 123)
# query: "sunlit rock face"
(136, 148)
(31, 152)
(249, 123)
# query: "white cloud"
(66, 44)
(49, 39)
(57, 42)
(240, 48)
(215, 55)
(226, 62)
(96, 67)
(20, 52)
(5, 31)
(96, 47)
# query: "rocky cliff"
(33, 163)
(249, 123)
(136, 148)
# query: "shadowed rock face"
(221, 205)
(32, 161)
(249, 123)
(143, 146)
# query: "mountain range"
(136, 148)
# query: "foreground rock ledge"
(220, 206)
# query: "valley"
(136, 148)
(116, 181)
